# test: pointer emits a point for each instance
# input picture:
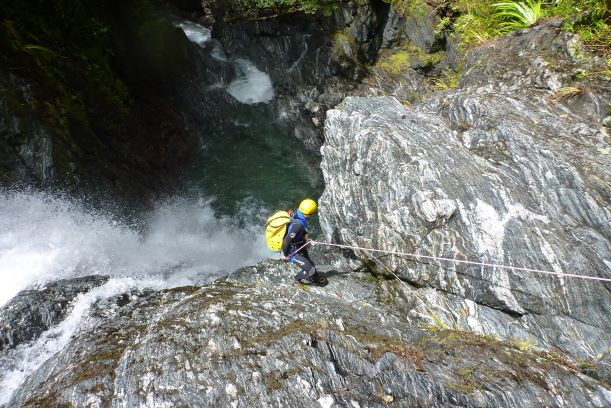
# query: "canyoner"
(286, 232)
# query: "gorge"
(131, 241)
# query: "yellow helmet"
(307, 207)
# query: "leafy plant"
(475, 30)
(518, 15)
(588, 18)
(408, 7)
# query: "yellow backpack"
(276, 229)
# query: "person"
(294, 246)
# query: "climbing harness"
(301, 247)
(438, 258)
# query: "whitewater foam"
(45, 238)
(251, 85)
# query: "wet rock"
(26, 148)
(31, 312)
(254, 340)
(313, 61)
(544, 58)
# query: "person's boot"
(319, 280)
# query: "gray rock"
(26, 148)
(31, 312)
(416, 26)
(253, 340)
(501, 173)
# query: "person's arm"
(290, 234)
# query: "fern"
(518, 15)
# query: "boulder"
(489, 172)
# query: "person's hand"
(286, 258)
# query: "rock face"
(313, 61)
(26, 151)
(496, 171)
(32, 312)
(254, 340)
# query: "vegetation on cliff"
(65, 47)
(477, 21)
(77, 69)
(255, 9)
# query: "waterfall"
(251, 85)
(45, 237)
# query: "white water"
(25, 359)
(202, 36)
(251, 85)
(44, 238)
(199, 34)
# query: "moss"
(447, 80)
(47, 401)
(296, 326)
(188, 290)
(238, 10)
(399, 61)
(463, 387)
(523, 344)
(378, 344)
(405, 8)
(343, 43)
(272, 381)
(395, 63)
(275, 380)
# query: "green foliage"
(396, 63)
(64, 46)
(525, 344)
(475, 29)
(588, 18)
(239, 9)
(409, 7)
(478, 21)
(448, 80)
(409, 56)
(518, 15)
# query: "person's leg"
(315, 277)
(306, 265)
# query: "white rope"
(438, 258)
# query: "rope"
(438, 258)
(299, 249)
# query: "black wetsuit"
(294, 240)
